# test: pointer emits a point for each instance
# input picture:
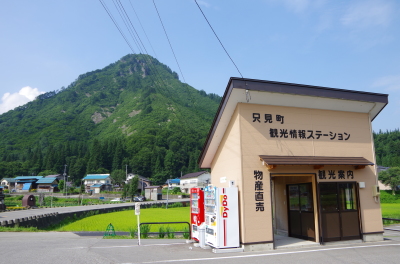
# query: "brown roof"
(193, 174)
(312, 160)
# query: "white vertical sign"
(137, 212)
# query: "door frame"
(313, 211)
(340, 217)
(314, 184)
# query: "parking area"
(66, 247)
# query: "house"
(143, 181)
(97, 183)
(289, 148)
(8, 183)
(153, 193)
(195, 180)
(47, 185)
(26, 183)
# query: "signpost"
(137, 212)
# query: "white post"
(166, 207)
(137, 213)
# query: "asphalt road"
(9, 215)
(65, 247)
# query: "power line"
(116, 25)
(143, 29)
(218, 38)
(169, 41)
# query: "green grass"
(126, 220)
(391, 210)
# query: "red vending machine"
(196, 210)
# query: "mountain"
(133, 112)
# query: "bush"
(186, 232)
(170, 232)
(144, 231)
(388, 197)
(161, 232)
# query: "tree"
(133, 186)
(118, 176)
(61, 186)
(47, 172)
(391, 177)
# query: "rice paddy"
(127, 220)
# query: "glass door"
(339, 211)
(301, 211)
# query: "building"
(195, 180)
(47, 185)
(96, 183)
(153, 193)
(303, 154)
(26, 183)
(143, 181)
(8, 183)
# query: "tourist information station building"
(303, 159)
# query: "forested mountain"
(387, 148)
(134, 111)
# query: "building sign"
(333, 174)
(259, 190)
(297, 133)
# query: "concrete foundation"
(372, 237)
(258, 247)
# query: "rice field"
(391, 210)
(127, 220)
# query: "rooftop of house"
(96, 176)
(46, 180)
(193, 174)
(260, 92)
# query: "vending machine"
(196, 210)
(222, 217)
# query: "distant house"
(143, 181)
(8, 183)
(380, 184)
(172, 183)
(153, 193)
(26, 183)
(194, 180)
(97, 183)
(47, 185)
(58, 176)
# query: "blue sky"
(340, 44)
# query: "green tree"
(118, 176)
(391, 177)
(133, 187)
(47, 172)
(61, 186)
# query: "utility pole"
(126, 172)
(65, 180)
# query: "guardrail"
(390, 219)
(162, 223)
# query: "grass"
(126, 220)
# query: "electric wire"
(169, 41)
(116, 25)
(116, 4)
(155, 54)
(149, 61)
(218, 38)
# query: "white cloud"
(388, 83)
(368, 13)
(10, 101)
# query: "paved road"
(9, 215)
(60, 247)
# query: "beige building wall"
(238, 157)
(227, 163)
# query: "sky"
(354, 45)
